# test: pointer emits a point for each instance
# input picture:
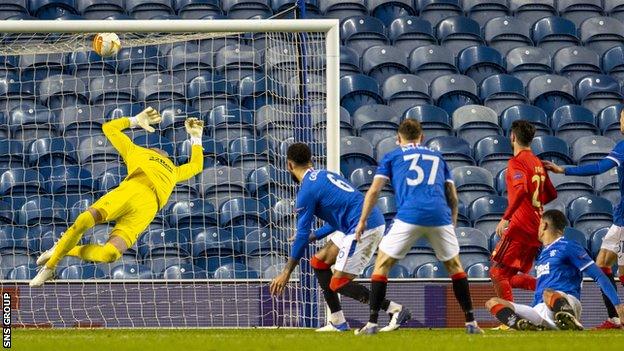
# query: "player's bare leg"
(504, 311)
(72, 236)
(462, 293)
(605, 260)
(565, 318)
(379, 285)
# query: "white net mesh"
(206, 258)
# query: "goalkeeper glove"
(195, 128)
(145, 118)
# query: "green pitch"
(303, 340)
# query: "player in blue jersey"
(333, 199)
(426, 206)
(612, 248)
(560, 268)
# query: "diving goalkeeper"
(134, 203)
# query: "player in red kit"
(529, 189)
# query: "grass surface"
(302, 340)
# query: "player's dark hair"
(555, 218)
(299, 154)
(524, 131)
(410, 129)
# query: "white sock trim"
(337, 318)
(133, 121)
(394, 307)
(196, 141)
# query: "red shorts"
(514, 255)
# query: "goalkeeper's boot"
(331, 327)
(45, 256)
(42, 276)
(473, 328)
(398, 318)
(368, 329)
(565, 320)
(526, 325)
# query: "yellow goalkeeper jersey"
(160, 170)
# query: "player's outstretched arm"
(370, 200)
(195, 128)
(113, 129)
(603, 282)
(587, 170)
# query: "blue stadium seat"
(552, 149)
(22, 272)
(349, 61)
(528, 112)
(434, 120)
(51, 9)
(100, 9)
(76, 121)
(187, 60)
(235, 271)
(358, 90)
(11, 154)
(159, 243)
(578, 11)
(597, 92)
(595, 241)
(30, 122)
(10, 261)
(174, 114)
(506, 33)
(6, 213)
(482, 11)
(243, 212)
(228, 122)
(311, 6)
(614, 8)
(215, 241)
(573, 234)
(397, 271)
(589, 213)
(480, 62)
(435, 11)
(43, 237)
(139, 59)
(432, 61)
(404, 91)
(453, 91)
(387, 206)
(591, 149)
(260, 242)
(218, 184)
(111, 177)
(410, 32)
(389, 10)
(69, 180)
(111, 89)
(487, 211)
(376, 122)
(141, 9)
(473, 245)
(601, 34)
(493, 153)
(362, 178)
(79, 207)
(474, 122)
(196, 9)
(361, 32)
(20, 182)
(472, 183)
(41, 210)
(256, 91)
(86, 64)
(36, 67)
(613, 63)
(549, 92)
(44, 154)
(431, 270)
(283, 213)
(458, 32)
(456, 151)
(237, 61)
(609, 121)
(84, 271)
(502, 91)
(554, 33)
(570, 122)
(527, 62)
(276, 120)
(383, 61)
(191, 214)
(207, 91)
(343, 9)
(244, 9)
(479, 270)
(576, 62)
(267, 181)
(158, 86)
(184, 271)
(13, 8)
(130, 271)
(530, 11)
(355, 152)
(13, 240)
(571, 187)
(418, 256)
(383, 147)
(607, 186)
(249, 153)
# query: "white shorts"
(399, 240)
(354, 256)
(614, 242)
(540, 314)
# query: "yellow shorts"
(132, 205)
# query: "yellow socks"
(96, 253)
(71, 238)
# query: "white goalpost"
(207, 258)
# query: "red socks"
(523, 281)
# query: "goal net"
(207, 258)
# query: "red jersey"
(529, 189)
